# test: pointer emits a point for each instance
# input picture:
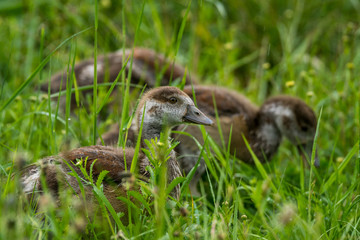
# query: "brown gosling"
(149, 68)
(161, 109)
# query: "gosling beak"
(194, 115)
(305, 151)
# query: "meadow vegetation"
(303, 48)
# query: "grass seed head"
(287, 214)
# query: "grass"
(308, 49)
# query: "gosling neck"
(154, 130)
(153, 124)
(152, 127)
(268, 134)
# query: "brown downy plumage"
(163, 108)
(262, 127)
(149, 68)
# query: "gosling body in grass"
(149, 68)
(263, 127)
(161, 109)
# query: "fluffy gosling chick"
(161, 109)
(262, 127)
(149, 67)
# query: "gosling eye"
(304, 128)
(173, 100)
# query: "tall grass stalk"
(125, 108)
(95, 93)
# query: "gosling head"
(295, 120)
(166, 107)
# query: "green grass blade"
(101, 177)
(69, 83)
(179, 37)
(113, 84)
(259, 165)
(173, 184)
(109, 207)
(95, 75)
(191, 174)
(138, 144)
(312, 164)
(125, 105)
(141, 199)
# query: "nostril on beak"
(197, 113)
